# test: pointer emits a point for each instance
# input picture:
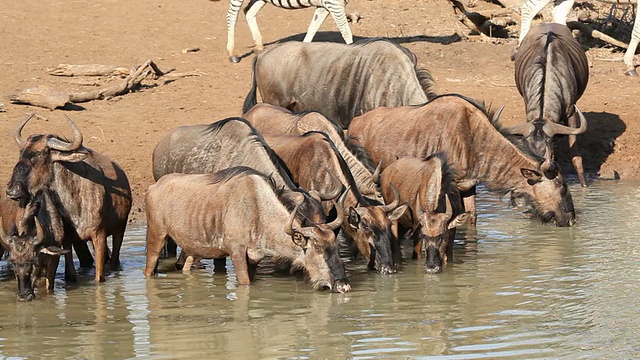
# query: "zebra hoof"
(631, 72)
(234, 59)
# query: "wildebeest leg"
(417, 249)
(576, 159)
(318, 18)
(253, 24)
(395, 245)
(118, 238)
(252, 268)
(469, 204)
(171, 248)
(50, 272)
(239, 260)
(155, 243)
(220, 265)
(340, 17)
(99, 248)
(80, 246)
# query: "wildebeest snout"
(341, 286)
(433, 264)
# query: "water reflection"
(517, 289)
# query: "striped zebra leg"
(250, 15)
(232, 17)
(318, 18)
(530, 8)
(561, 10)
(339, 15)
(629, 55)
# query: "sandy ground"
(35, 36)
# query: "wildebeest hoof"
(631, 72)
(234, 59)
(26, 297)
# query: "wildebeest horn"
(448, 207)
(3, 234)
(376, 174)
(551, 128)
(418, 206)
(39, 232)
(58, 144)
(548, 165)
(288, 228)
(340, 210)
(396, 200)
(17, 135)
(496, 116)
(524, 129)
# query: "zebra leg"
(232, 17)
(339, 15)
(561, 10)
(318, 18)
(530, 8)
(250, 15)
(633, 46)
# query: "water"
(517, 289)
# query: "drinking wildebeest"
(429, 187)
(207, 148)
(275, 120)
(32, 236)
(342, 81)
(89, 190)
(551, 74)
(236, 212)
(477, 152)
(314, 163)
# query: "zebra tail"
(250, 101)
(249, 5)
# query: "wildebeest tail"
(250, 101)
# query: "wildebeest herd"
(350, 148)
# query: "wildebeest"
(32, 236)
(551, 74)
(207, 148)
(89, 190)
(429, 187)
(314, 163)
(477, 152)
(236, 212)
(342, 81)
(275, 120)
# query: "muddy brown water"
(517, 289)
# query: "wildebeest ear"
(299, 239)
(531, 175)
(54, 250)
(68, 157)
(397, 212)
(459, 220)
(354, 218)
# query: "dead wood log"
(41, 96)
(88, 70)
(588, 30)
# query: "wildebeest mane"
(338, 129)
(360, 153)
(425, 79)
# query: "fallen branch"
(588, 30)
(40, 96)
(88, 70)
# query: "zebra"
(560, 13)
(324, 7)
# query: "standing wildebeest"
(89, 190)
(551, 74)
(314, 163)
(323, 8)
(429, 187)
(477, 152)
(236, 212)
(275, 120)
(207, 148)
(342, 81)
(32, 236)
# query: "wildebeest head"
(34, 170)
(27, 253)
(371, 230)
(320, 258)
(434, 233)
(538, 133)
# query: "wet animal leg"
(70, 274)
(99, 248)
(118, 238)
(155, 243)
(239, 260)
(576, 159)
(469, 203)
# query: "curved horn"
(39, 232)
(376, 174)
(418, 206)
(60, 145)
(396, 200)
(3, 234)
(496, 116)
(337, 189)
(288, 228)
(340, 210)
(524, 129)
(551, 128)
(548, 165)
(17, 134)
(448, 207)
